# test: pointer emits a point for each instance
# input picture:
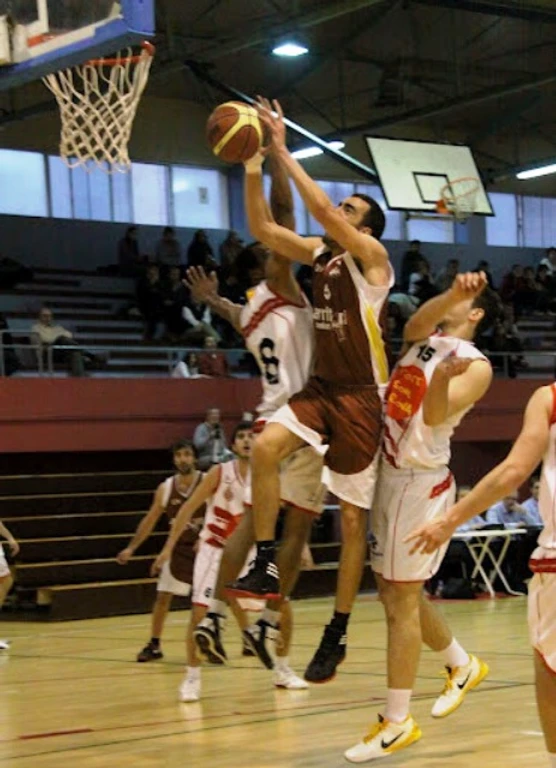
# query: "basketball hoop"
(98, 101)
(458, 198)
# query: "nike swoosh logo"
(388, 744)
(461, 686)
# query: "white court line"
(532, 733)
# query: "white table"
(479, 545)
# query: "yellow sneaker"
(384, 739)
(459, 680)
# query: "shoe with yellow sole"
(384, 739)
(459, 681)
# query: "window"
(90, 194)
(501, 229)
(23, 183)
(431, 230)
(60, 188)
(200, 198)
(539, 221)
(149, 188)
(121, 197)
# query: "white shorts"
(300, 481)
(4, 568)
(404, 500)
(205, 573)
(168, 583)
(542, 616)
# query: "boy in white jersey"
(536, 443)
(438, 379)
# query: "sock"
(455, 656)
(266, 550)
(218, 606)
(340, 621)
(155, 641)
(281, 663)
(193, 673)
(397, 705)
(271, 617)
(552, 760)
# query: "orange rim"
(147, 48)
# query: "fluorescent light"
(290, 49)
(303, 154)
(544, 170)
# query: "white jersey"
(225, 508)
(408, 442)
(279, 334)
(547, 493)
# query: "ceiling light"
(544, 170)
(290, 49)
(313, 151)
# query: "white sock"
(552, 760)
(455, 656)
(271, 617)
(193, 674)
(397, 705)
(218, 606)
(281, 663)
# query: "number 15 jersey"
(279, 334)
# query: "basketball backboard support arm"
(136, 22)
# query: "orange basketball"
(234, 132)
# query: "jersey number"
(425, 353)
(271, 364)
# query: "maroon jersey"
(183, 554)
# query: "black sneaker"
(150, 652)
(262, 581)
(246, 650)
(330, 653)
(255, 637)
(206, 636)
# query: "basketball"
(234, 132)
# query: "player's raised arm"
(204, 289)
(334, 219)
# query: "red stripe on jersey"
(543, 565)
(441, 487)
(553, 414)
(266, 308)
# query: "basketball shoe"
(246, 649)
(4, 645)
(262, 581)
(206, 636)
(330, 653)
(256, 637)
(285, 677)
(190, 690)
(459, 680)
(150, 652)
(384, 739)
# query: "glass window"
(501, 229)
(539, 221)
(433, 230)
(23, 183)
(121, 197)
(60, 188)
(149, 186)
(80, 193)
(99, 195)
(200, 198)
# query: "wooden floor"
(72, 694)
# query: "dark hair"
(374, 218)
(415, 242)
(243, 426)
(180, 445)
(491, 304)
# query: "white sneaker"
(286, 678)
(384, 739)
(4, 645)
(459, 681)
(190, 690)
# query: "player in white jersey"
(6, 579)
(536, 443)
(438, 378)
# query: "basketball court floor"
(72, 694)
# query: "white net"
(460, 197)
(98, 101)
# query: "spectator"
(475, 523)
(420, 284)
(531, 505)
(410, 263)
(46, 335)
(11, 362)
(230, 248)
(150, 300)
(528, 297)
(508, 513)
(212, 362)
(484, 266)
(200, 253)
(512, 283)
(210, 441)
(130, 263)
(549, 260)
(188, 368)
(168, 250)
(199, 322)
(174, 298)
(446, 276)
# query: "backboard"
(413, 173)
(42, 36)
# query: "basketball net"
(459, 198)
(98, 101)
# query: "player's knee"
(354, 523)
(400, 600)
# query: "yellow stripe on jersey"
(378, 350)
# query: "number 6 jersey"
(408, 443)
(279, 334)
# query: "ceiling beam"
(519, 9)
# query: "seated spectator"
(410, 263)
(510, 514)
(11, 362)
(210, 441)
(528, 296)
(150, 300)
(200, 253)
(507, 513)
(446, 276)
(512, 283)
(198, 318)
(421, 286)
(531, 505)
(229, 250)
(130, 261)
(175, 297)
(484, 266)
(549, 260)
(188, 368)
(168, 250)
(45, 335)
(212, 362)
(502, 340)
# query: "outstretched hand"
(272, 118)
(201, 285)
